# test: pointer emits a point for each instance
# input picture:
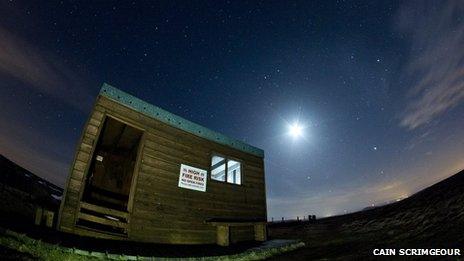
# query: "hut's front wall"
(159, 210)
(76, 180)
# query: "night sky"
(377, 86)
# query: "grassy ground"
(20, 247)
(11, 254)
(14, 246)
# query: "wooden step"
(104, 210)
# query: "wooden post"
(223, 235)
(260, 232)
(48, 218)
(38, 216)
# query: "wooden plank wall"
(76, 179)
(161, 211)
(245, 233)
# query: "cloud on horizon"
(333, 203)
(436, 62)
(30, 149)
(354, 197)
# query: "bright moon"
(296, 130)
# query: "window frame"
(226, 158)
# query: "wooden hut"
(143, 174)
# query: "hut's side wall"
(76, 178)
(160, 210)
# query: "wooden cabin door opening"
(108, 181)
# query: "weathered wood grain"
(160, 211)
(108, 211)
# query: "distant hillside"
(21, 191)
(440, 198)
(431, 218)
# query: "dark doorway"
(110, 174)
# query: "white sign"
(192, 178)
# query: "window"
(219, 169)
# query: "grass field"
(15, 246)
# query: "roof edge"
(176, 121)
